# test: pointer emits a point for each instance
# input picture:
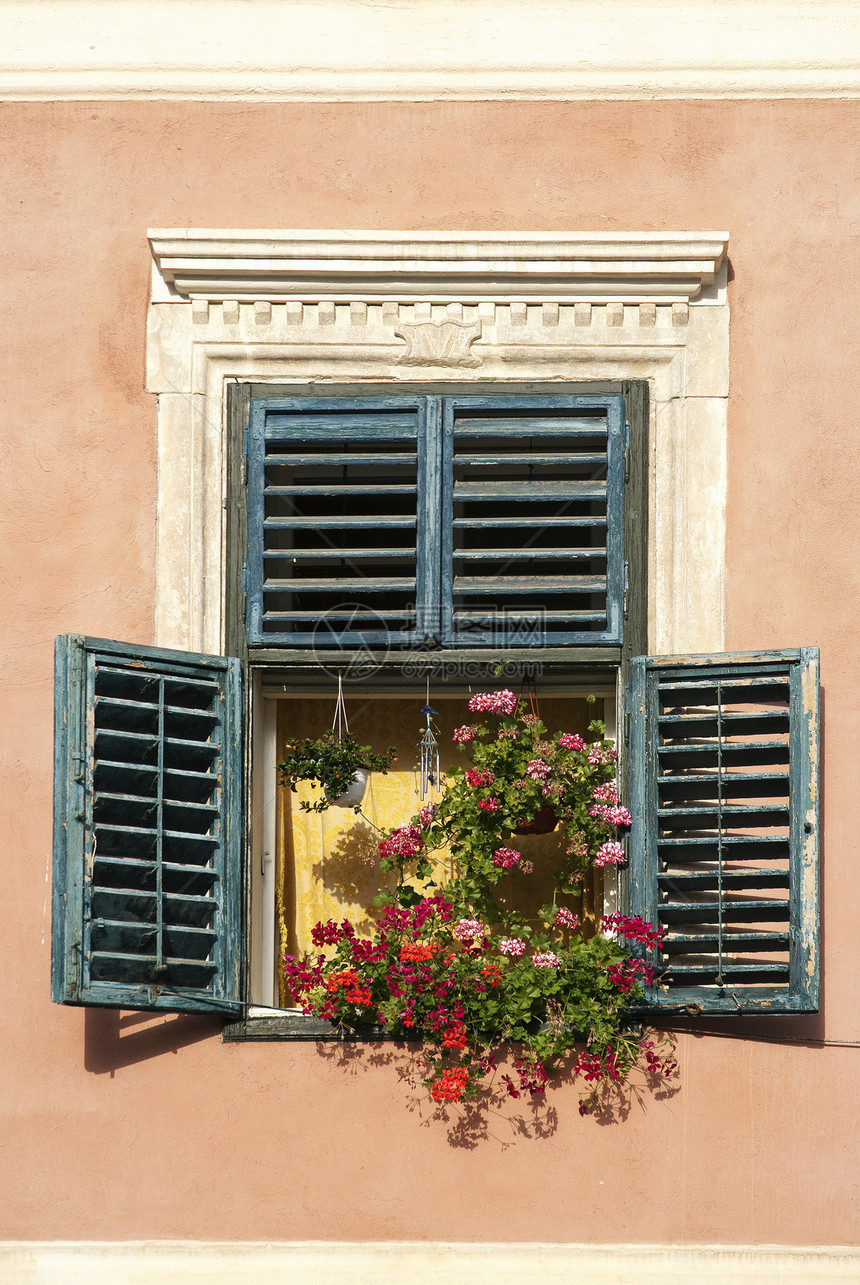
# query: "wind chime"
(429, 752)
(340, 722)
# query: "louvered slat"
(147, 841)
(337, 521)
(532, 547)
(723, 755)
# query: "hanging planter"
(353, 794)
(334, 761)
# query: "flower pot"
(354, 793)
(543, 822)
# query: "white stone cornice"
(342, 51)
(454, 267)
(172, 1262)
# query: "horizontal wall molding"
(336, 50)
(421, 1263)
(282, 50)
(464, 267)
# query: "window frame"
(596, 666)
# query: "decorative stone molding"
(462, 267)
(439, 343)
(339, 51)
(172, 1262)
(373, 329)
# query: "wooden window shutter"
(533, 523)
(147, 828)
(723, 756)
(342, 521)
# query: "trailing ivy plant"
(456, 968)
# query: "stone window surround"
(471, 308)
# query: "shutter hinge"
(626, 451)
(245, 456)
(626, 588)
(244, 577)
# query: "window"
(470, 524)
(493, 521)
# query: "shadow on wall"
(114, 1039)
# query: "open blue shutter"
(724, 846)
(532, 528)
(147, 828)
(342, 515)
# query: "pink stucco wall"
(126, 1126)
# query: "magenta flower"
(503, 702)
(513, 946)
(565, 918)
(606, 792)
(615, 815)
(476, 777)
(538, 770)
(548, 959)
(462, 734)
(505, 858)
(405, 841)
(635, 928)
(610, 854)
(489, 805)
(468, 929)
(571, 741)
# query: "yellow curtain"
(328, 862)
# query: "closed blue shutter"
(724, 846)
(342, 521)
(147, 828)
(532, 526)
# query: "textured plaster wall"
(122, 1126)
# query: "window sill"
(262, 1024)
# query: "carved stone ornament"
(446, 343)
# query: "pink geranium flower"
(503, 702)
(513, 946)
(610, 854)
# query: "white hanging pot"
(354, 793)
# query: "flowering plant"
(331, 761)
(464, 972)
